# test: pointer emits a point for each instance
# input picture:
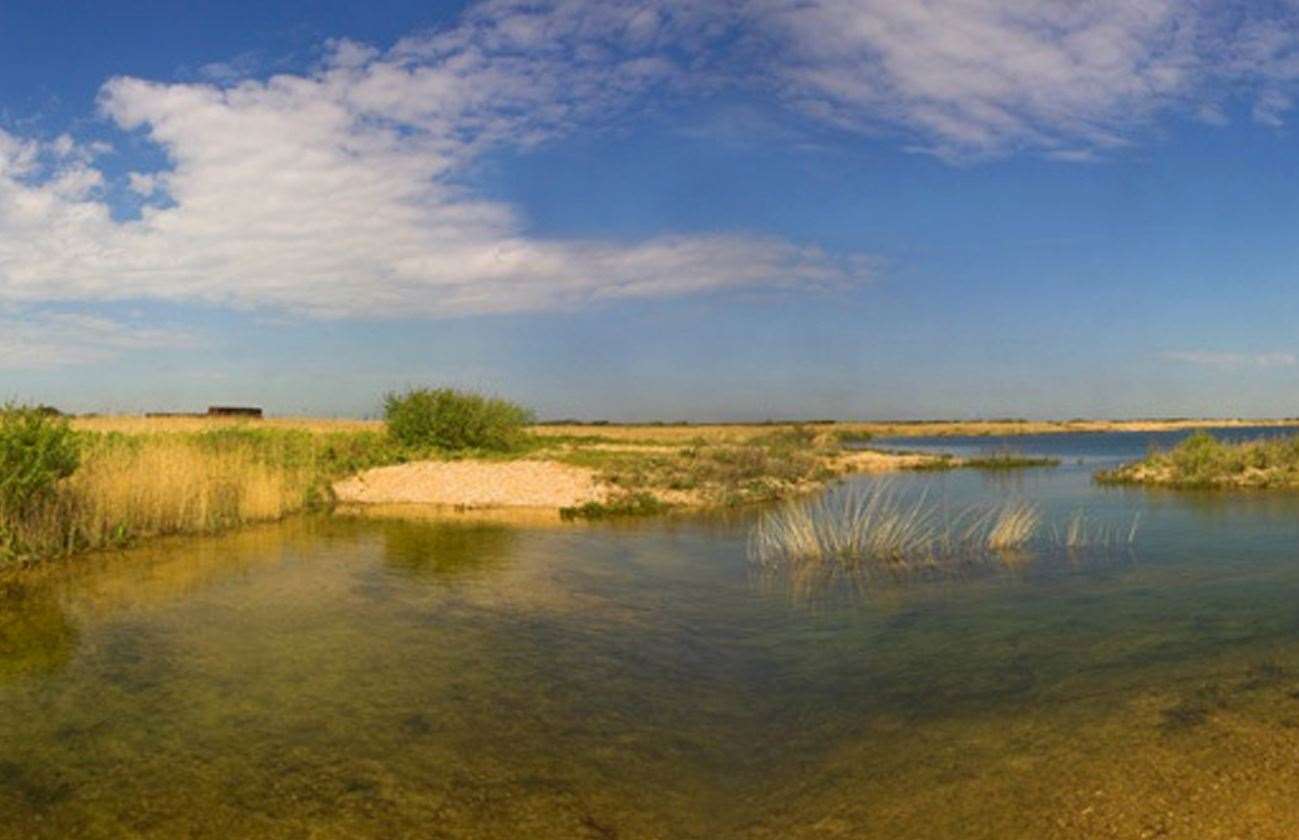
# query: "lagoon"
(344, 677)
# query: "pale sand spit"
(537, 484)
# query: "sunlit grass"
(141, 425)
(878, 527)
(1202, 461)
(1014, 526)
(136, 486)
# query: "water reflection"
(446, 549)
(836, 584)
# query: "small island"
(1204, 461)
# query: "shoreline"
(906, 428)
(148, 477)
(539, 484)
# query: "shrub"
(1200, 457)
(37, 450)
(446, 418)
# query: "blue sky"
(652, 209)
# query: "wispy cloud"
(969, 79)
(983, 77)
(36, 339)
(1232, 361)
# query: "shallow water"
(351, 677)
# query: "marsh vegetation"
(112, 481)
(85, 490)
(1204, 461)
(878, 527)
(764, 467)
(996, 459)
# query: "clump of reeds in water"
(1013, 526)
(878, 528)
(1081, 532)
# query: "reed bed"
(878, 527)
(129, 487)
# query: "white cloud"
(968, 79)
(977, 77)
(340, 191)
(54, 339)
(337, 192)
(1232, 361)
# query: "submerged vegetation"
(1204, 461)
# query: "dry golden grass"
(169, 486)
(140, 425)
(1014, 526)
(157, 485)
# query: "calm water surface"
(397, 678)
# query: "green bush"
(445, 418)
(37, 449)
(1201, 458)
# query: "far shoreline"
(914, 428)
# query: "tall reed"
(1081, 532)
(1014, 526)
(136, 486)
(879, 526)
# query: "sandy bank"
(532, 484)
(474, 484)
